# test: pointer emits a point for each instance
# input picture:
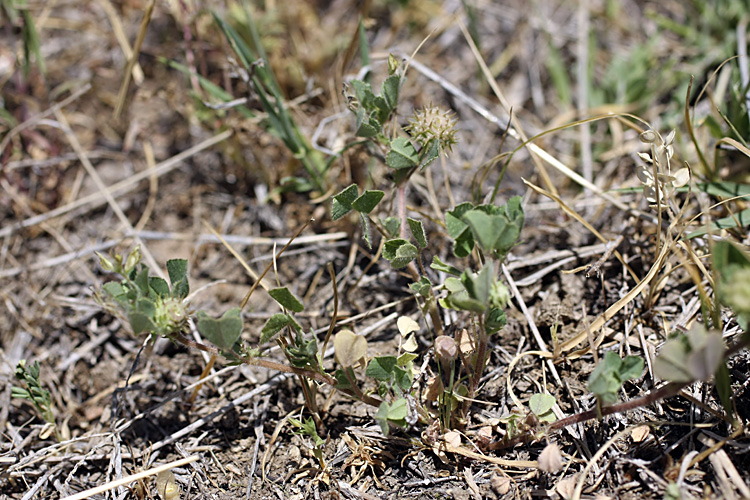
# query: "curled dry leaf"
(445, 348)
(500, 484)
(566, 487)
(406, 325)
(682, 177)
(350, 348)
(166, 486)
(465, 342)
(550, 459)
(434, 388)
(452, 439)
(410, 343)
(640, 433)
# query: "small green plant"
(151, 306)
(485, 232)
(610, 374)
(308, 429)
(148, 302)
(32, 390)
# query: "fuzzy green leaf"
(275, 324)
(368, 201)
(366, 233)
(177, 269)
(479, 285)
(159, 286)
(223, 332)
(406, 358)
(342, 381)
(141, 282)
(304, 353)
(439, 265)
(695, 355)
(140, 322)
(417, 230)
(541, 404)
(671, 363)
(399, 252)
(381, 417)
(342, 202)
(364, 93)
(611, 372)
(366, 124)
(381, 368)
(463, 240)
(402, 377)
(398, 410)
(287, 300)
(402, 154)
(495, 320)
(422, 287)
(390, 90)
(429, 153)
(391, 225)
(453, 220)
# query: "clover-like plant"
(610, 374)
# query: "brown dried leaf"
(550, 459)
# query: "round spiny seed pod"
(433, 124)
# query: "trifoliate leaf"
(399, 252)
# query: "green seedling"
(31, 389)
(308, 429)
(610, 374)
(541, 405)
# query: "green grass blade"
(741, 219)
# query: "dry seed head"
(445, 348)
(661, 188)
(432, 123)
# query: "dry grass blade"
(37, 118)
(465, 452)
(133, 59)
(612, 310)
(129, 479)
(122, 39)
